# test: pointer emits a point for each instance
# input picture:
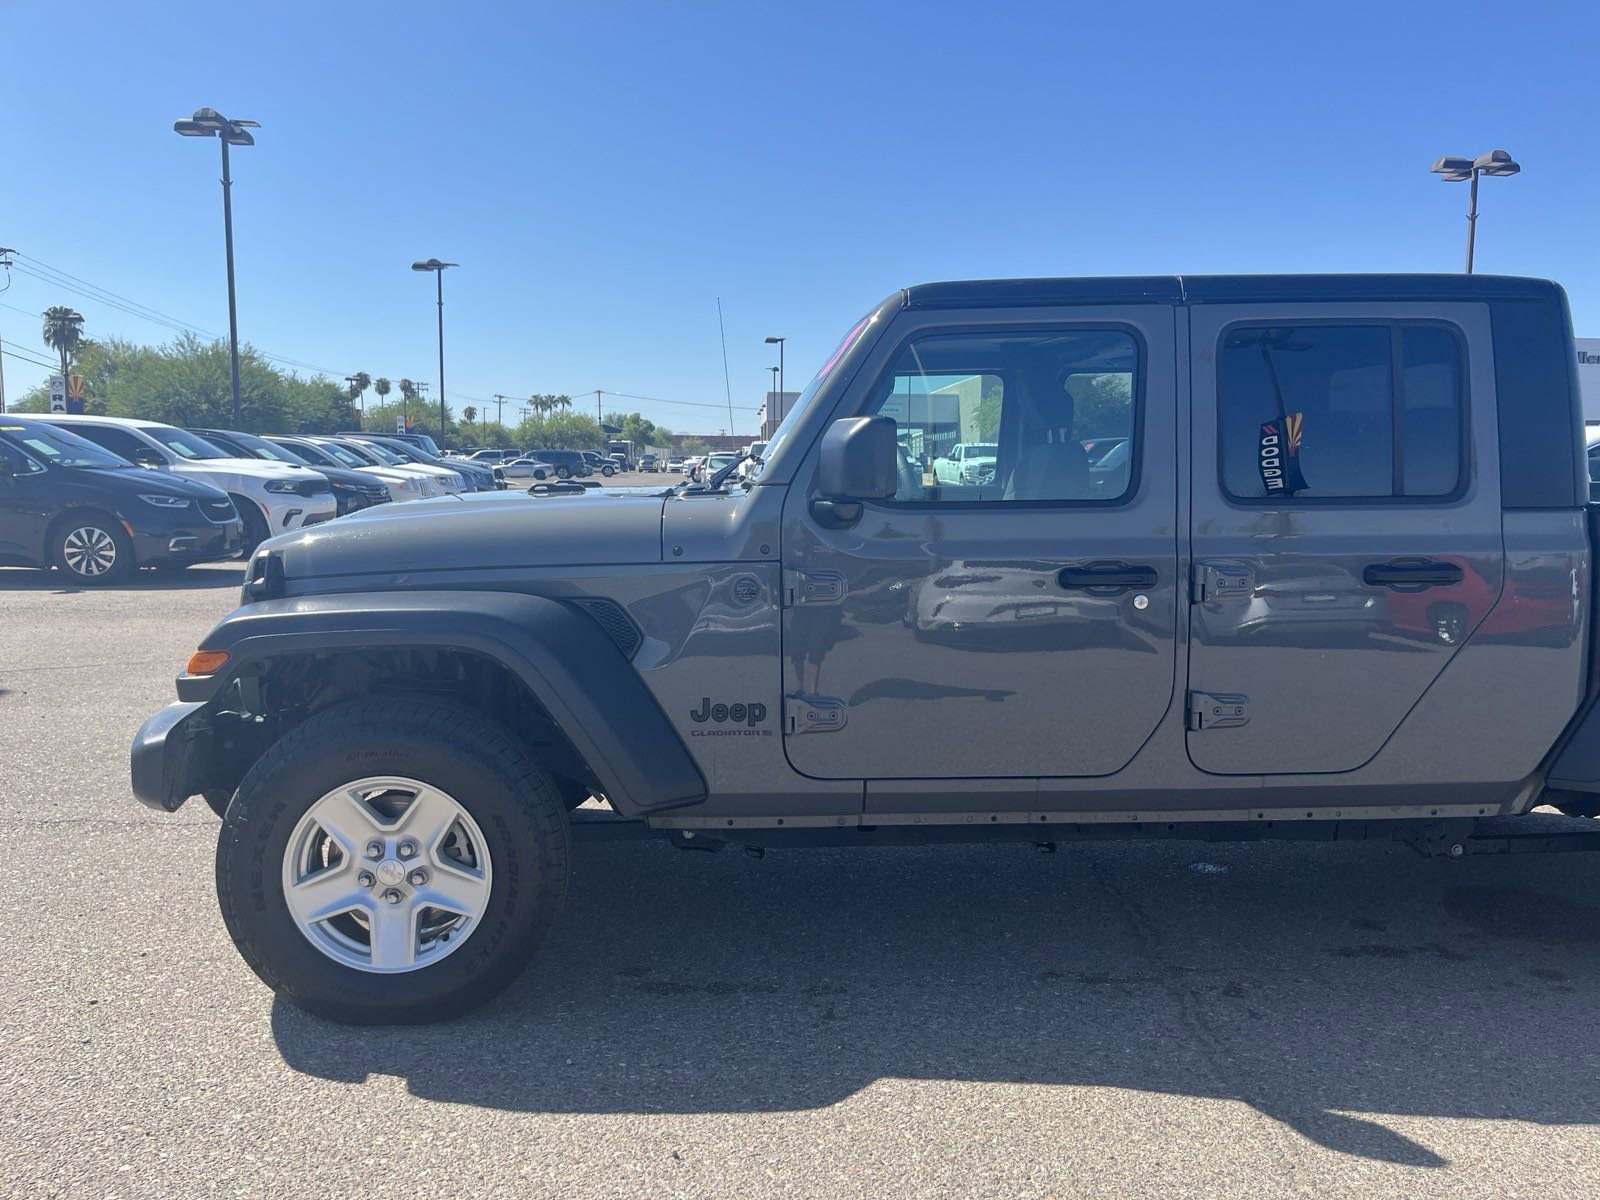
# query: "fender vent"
(619, 627)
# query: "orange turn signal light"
(206, 662)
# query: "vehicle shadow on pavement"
(213, 575)
(1309, 982)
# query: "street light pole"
(777, 398)
(438, 268)
(208, 122)
(780, 341)
(1455, 169)
(233, 302)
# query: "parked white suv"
(271, 497)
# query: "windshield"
(261, 448)
(382, 453)
(351, 456)
(184, 444)
(301, 453)
(803, 400)
(426, 444)
(57, 446)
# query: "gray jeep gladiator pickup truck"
(1334, 580)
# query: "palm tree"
(562, 402)
(469, 414)
(362, 381)
(383, 387)
(63, 333)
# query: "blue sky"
(604, 171)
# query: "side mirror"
(859, 459)
(146, 458)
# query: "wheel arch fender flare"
(563, 657)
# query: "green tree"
(382, 387)
(1102, 404)
(469, 416)
(563, 431)
(63, 332)
(186, 383)
(359, 383)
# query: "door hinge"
(1219, 581)
(1218, 710)
(813, 714)
(812, 587)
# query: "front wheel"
(392, 861)
(608, 472)
(92, 549)
(255, 526)
(563, 473)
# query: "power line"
(45, 273)
(661, 400)
(24, 356)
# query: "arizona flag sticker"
(1280, 455)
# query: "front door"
(1346, 525)
(1016, 619)
(27, 502)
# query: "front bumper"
(169, 757)
(193, 542)
(301, 512)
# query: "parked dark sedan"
(351, 489)
(66, 503)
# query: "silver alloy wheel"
(387, 875)
(89, 551)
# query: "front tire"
(255, 525)
(392, 861)
(608, 472)
(91, 549)
(563, 473)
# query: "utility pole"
(5, 265)
(500, 409)
(599, 417)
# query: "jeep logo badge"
(743, 719)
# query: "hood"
(480, 531)
(254, 468)
(160, 483)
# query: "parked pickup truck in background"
(1336, 581)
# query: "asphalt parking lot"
(1129, 1020)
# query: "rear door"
(1018, 626)
(1345, 523)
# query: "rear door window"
(1340, 412)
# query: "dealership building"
(1589, 376)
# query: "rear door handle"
(1411, 574)
(1107, 576)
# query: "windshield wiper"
(721, 476)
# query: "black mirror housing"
(859, 459)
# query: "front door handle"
(1411, 574)
(1107, 577)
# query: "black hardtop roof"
(1219, 289)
